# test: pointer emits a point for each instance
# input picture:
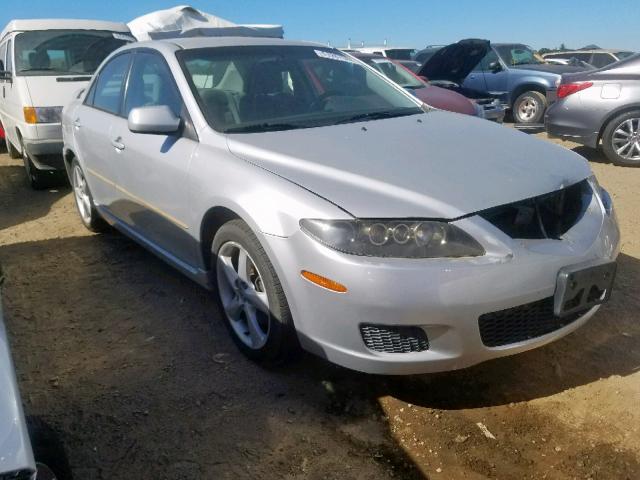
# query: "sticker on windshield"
(122, 36)
(332, 56)
(380, 60)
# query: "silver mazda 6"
(330, 210)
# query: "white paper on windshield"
(380, 60)
(332, 56)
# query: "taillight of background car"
(566, 89)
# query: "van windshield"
(64, 52)
(265, 88)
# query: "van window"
(64, 52)
(8, 64)
(3, 50)
(110, 84)
(150, 84)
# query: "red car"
(431, 95)
(1, 133)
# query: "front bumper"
(43, 143)
(444, 297)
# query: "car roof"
(591, 50)
(204, 42)
(62, 24)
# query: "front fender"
(270, 204)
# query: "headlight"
(604, 196)
(42, 114)
(393, 238)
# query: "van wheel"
(621, 139)
(251, 297)
(37, 179)
(529, 107)
(49, 452)
(11, 150)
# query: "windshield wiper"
(264, 127)
(378, 115)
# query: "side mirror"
(495, 67)
(155, 120)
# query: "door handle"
(117, 144)
(76, 123)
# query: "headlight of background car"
(393, 238)
(605, 198)
(42, 114)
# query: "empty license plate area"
(581, 287)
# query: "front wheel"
(529, 107)
(621, 139)
(37, 179)
(251, 297)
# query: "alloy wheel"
(243, 295)
(626, 139)
(527, 109)
(81, 193)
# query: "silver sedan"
(601, 108)
(329, 209)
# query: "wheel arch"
(213, 219)
(615, 113)
(527, 87)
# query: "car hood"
(444, 99)
(454, 62)
(47, 91)
(432, 165)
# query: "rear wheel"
(621, 139)
(84, 200)
(529, 107)
(251, 297)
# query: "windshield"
(400, 53)
(394, 72)
(64, 52)
(517, 55)
(263, 88)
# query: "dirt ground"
(130, 363)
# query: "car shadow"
(19, 203)
(594, 155)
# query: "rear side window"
(110, 84)
(3, 50)
(600, 60)
(150, 84)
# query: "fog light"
(323, 281)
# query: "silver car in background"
(601, 108)
(328, 208)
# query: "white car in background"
(43, 63)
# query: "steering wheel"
(323, 97)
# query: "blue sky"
(415, 23)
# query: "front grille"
(522, 323)
(546, 216)
(388, 339)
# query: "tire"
(529, 107)
(87, 210)
(257, 294)
(48, 450)
(11, 150)
(36, 179)
(623, 130)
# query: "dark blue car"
(511, 72)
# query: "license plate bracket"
(581, 287)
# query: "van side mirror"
(495, 67)
(154, 120)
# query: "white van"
(43, 63)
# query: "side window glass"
(9, 62)
(487, 60)
(600, 60)
(151, 84)
(110, 84)
(3, 50)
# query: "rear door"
(153, 198)
(93, 123)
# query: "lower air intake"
(391, 339)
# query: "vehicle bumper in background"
(443, 298)
(494, 112)
(43, 143)
(570, 125)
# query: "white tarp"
(185, 21)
